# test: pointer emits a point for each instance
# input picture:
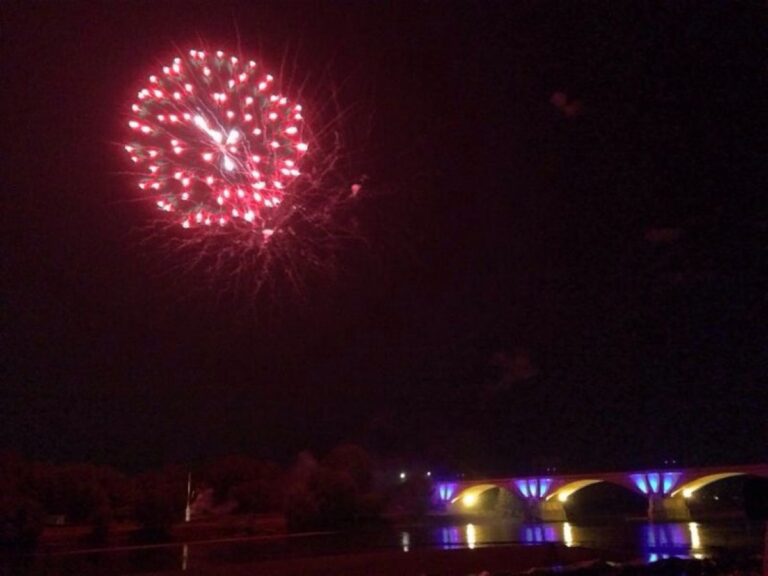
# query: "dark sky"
(565, 255)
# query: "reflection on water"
(651, 541)
(668, 540)
(449, 537)
(184, 557)
(494, 533)
(567, 534)
(693, 528)
(471, 536)
(405, 541)
(541, 533)
(654, 541)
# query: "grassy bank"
(62, 537)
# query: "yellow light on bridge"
(566, 491)
(469, 500)
(688, 492)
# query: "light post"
(188, 509)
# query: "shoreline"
(505, 559)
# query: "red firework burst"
(215, 143)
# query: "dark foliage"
(251, 485)
(336, 492)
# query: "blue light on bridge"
(639, 480)
(669, 481)
(659, 483)
(446, 490)
(534, 487)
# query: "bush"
(414, 496)
(21, 521)
(161, 500)
(155, 514)
(247, 484)
(332, 494)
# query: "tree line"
(344, 487)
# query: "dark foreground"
(508, 560)
(499, 560)
(493, 547)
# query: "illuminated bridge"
(544, 496)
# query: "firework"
(215, 142)
(224, 155)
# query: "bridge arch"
(688, 488)
(564, 492)
(469, 496)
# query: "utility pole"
(188, 509)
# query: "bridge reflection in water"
(654, 541)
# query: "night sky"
(564, 253)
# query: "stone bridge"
(666, 490)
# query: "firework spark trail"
(223, 154)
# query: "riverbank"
(55, 538)
(513, 559)
(501, 547)
(547, 560)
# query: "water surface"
(643, 540)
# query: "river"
(641, 539)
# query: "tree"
(413, 496)
(162, 498)
(21, 514)
(249, 484)
(333, 493)
(21, 520)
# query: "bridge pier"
(537, 507)
(540, 510)
(666, 508)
